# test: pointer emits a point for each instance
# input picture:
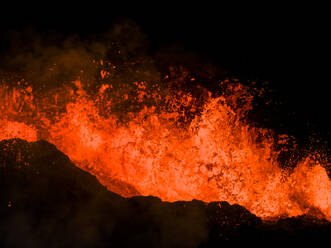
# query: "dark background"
(285, 45)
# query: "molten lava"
(169, 144)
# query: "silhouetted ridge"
(45, 201)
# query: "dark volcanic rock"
(45, 201)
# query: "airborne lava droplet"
(169, 144)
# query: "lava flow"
(145, 139)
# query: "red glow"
(215, 156)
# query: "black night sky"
(285, 45)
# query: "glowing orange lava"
(157, 150)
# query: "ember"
(169, 143)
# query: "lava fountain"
(147, 139)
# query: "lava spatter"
(169, 144)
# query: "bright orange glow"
(13, 129)
(160, 151)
